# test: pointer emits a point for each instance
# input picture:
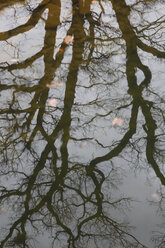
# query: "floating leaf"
(155, 197)
(3, 209)
(14, 60)
(61, 50)
(117, 122)
(92, 89)
(68, 39)
(83, 144)
(52, 102)
(54, 84)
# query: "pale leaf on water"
(83, 144)
(92, 89)
(61, 50)
(68, 39)
(117, 122)
(14, 60)
(52, 102)
(155, 197)
(3, 209)
(54, 84)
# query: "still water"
(82, 123)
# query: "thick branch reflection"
(67, 70)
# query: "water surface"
(82, 123)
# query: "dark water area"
(82, 124)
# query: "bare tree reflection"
(54, 187)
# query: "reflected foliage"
(61, 158)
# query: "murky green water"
(82, 123)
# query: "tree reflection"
(54, 185)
